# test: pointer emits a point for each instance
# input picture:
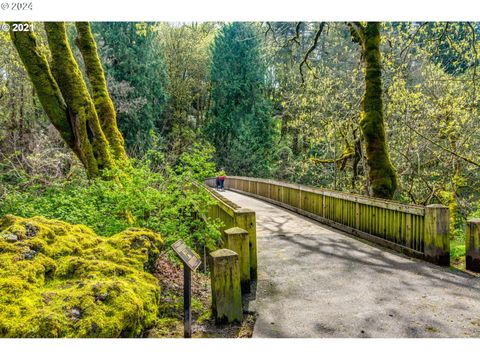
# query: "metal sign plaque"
(186, 254)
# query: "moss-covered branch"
(90, 140)
(103, 103)
(348, 153)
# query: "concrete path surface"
(317, 282)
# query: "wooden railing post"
(472, 245)
(225, 281)
(437, 242)
(237, 240)
(245, 219)
(357, 215)
(323, 204)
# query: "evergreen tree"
(241, 126)
(132, 57)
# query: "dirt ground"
(170, 323)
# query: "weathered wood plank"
(245, 219)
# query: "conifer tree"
(132, 55)
(241, 126)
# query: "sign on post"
(186, 255)
(190, 263)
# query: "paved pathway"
(317, 282)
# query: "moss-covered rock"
(62, 280)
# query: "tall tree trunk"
(48, 92)
(65, 98)
(381, 173)
(103, 102)
(89, 137)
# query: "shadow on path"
(314, 281)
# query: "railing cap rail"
(389, 204)
(437, 206)
(243, 211)
(226, 204)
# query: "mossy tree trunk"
(103, 102)
(88, 128)
(381, 173)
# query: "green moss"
(204, 316)
(62, 280)
(167, 328)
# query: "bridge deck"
(317, 282)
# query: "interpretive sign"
(186, 255)
(190, 263)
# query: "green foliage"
(186, 49)
(63, 280)
(319, 111)
(241, 126)
(165, 202)
(451, 48)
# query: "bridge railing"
(419, 231)
(232, 216)
(222, 209)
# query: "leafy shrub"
(163, 199)
(62, 280)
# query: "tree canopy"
(241, 126)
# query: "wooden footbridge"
(331, 264)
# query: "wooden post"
(437, 242)
(472, 245)
(357, 215)
(237, 240)
(225, 280)
(187, 299)
(245, 219)
(323, 204)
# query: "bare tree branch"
(474, 41)
(310, 50)
(464, 158)
(297, 34)
(410, 42)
